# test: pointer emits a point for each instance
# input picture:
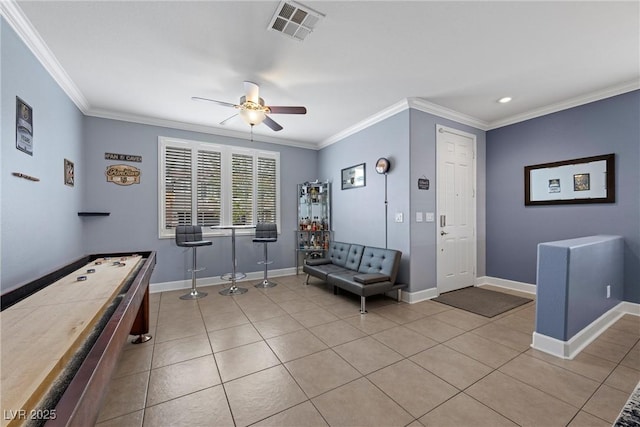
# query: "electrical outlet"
(608, 291)
(399, 217)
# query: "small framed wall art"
(69, 173)
(24, 127)
(354, 176)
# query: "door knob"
(442, 233)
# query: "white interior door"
(456, 209)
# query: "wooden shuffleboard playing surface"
(43, 332)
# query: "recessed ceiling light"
(504, 100)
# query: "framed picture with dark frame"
(69, 173)
(354, 176)
(594, 181)
(24, 127)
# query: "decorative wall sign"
(423, 183)
(69, 173)
(354, 177)
(24, 127)
(123, 157)
(123, 174)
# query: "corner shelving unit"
(314, 220)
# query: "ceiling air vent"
(294, 20)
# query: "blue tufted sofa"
(362, 270)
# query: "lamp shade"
(252, 117)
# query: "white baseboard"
(427, 294)
(507, 284)
(570, 349)
(414, 297)
(627, 307)
(212, 281)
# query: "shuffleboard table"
(62, 335)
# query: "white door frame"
(443, 284)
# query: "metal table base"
(234, 275)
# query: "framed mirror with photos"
(583, 180)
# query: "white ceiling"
(144, 60)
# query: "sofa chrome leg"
(363, 305)
(399, 295)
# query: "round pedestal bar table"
(234, 275)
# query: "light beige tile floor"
(298, 355)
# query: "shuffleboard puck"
(91, 270)
(81, 278)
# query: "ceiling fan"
(252, 108)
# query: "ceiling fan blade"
(287, 110)
(273, 125)
(252, 92)
(224, 122)
(224, 104)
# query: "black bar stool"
(190, 236)
(266, 233)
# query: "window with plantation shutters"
(209, 189)
(210, 184)
(242, 189)
(177, 185)
(266, 191)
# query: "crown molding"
(415, 103)
(446, 113)
(173, 124)
(370, 121)
(14, 16)
(28, 34)
(570, 103)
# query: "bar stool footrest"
(232, 277)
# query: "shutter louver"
(241, 189)
(266, 200)
(209, 189)
(177, 185)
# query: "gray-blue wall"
(358, 214)
(40, 227)
(514, 230)
(573, 276)
(133, 223)
(424, 236)
(408, 139)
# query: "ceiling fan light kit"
(252, 109)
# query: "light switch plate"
(418, 216)
(430, 216)
(399, 217)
